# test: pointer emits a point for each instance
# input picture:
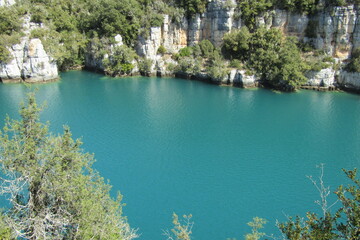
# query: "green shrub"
(236, 43)
(171, 67)
(217, 68)
(207, 48)
(192, 6)
(4, 54)
(161, 50)
(145, 65)
(354, 64)
(10, 20)
(235, 63)
(250, 9)
(119, 61)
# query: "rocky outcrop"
(214, 23)
(241, 79)
(29, 62)
(349, 80)
(322, 78)
(7, 2)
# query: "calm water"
(223, 154)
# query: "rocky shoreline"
(335, 31)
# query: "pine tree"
(53, 191)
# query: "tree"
(354, 64)
(182, 229)
(53, 191)
(342, 224)
(237, 43)
(256, 225)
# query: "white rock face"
(29, 62)
(349, 80)
(336, 32)
(118, 40)
(324, 78)
(240, 78)
(38, 66)
(7, 2)
(213, 24)
(148, 47)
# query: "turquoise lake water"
(223, 154)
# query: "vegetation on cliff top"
(70, 27)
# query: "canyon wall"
(335, 30)
(29, 61)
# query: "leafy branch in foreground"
(53, 191)
(343, 224)
(182, 229)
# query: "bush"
(185, 52)
(145, 65)
(10, 20)
(250, 9)
(235, 63)
(354, 64)
(276, 60)
(120, 61)
(193, 6)
(236, 43)
(217, 69)
(161, 50)
(207, 48)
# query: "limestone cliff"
(334, 30)
(7, 2)
(29, 61)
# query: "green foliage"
(207, 48)
(250, 9)
(182, 230)
(275, 59)
(120, 61)
(300, 6)
(217, 68)
(236, 43)
(192, 6)
(235, 63)
(264, 53)
(4, 53)
(65, 47)
(171, 67)
(256, 225)
(9, 20)
(340, 3)
(354, 64)
(185, 52)
(188, 65)
(145, 65)
(5, 230)
(161, 50)
(51, 186)
(290, 65)
(10, 26)
(108, 18)
(343, 224)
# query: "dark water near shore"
(223, 154)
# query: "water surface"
(223, 154)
